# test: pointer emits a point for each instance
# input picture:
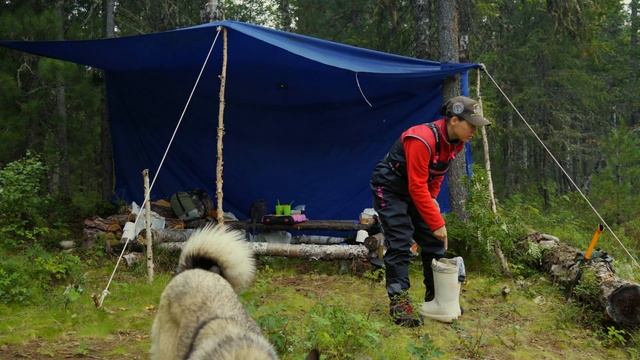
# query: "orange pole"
(594, 241)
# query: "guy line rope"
(105, 292)
(633, 259)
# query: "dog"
(200, 316)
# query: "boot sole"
(441, 318)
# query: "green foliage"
(72, 293)
(614, 186)
(614, 337)
(257, 12)
(472, 341)
(476, 237)
(22, 201)
(277, 328)
(380, 25)
(588, 289)
(14, 286)
(28, 277)
(339, 333)
(425, 349)
(376, 276)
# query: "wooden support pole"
(219, 166)
(487, 164)
(147, 213)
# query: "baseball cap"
(465, 108)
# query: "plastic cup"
(280, 209)
(286, 209)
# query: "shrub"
(483, 228)
(22, 200)
(339, 333)
(424, 349)
(277, 329)
(29, 215)
(25, 278)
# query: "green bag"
(187, 206)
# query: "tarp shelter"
(306, 120)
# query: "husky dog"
(199, 316)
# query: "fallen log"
(619, 298)
(171, 235)
(318, 240)
(133, 258)
(315, 252)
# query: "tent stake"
(223, 83)
(487, 164)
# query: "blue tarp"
(297, 126)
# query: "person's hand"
(441, 234)
(436, 203)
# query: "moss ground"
(301, 305)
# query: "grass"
(301, 305)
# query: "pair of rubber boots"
(445, 306)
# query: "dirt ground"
(126, 345)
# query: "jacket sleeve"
(418, 155)
(434, 186)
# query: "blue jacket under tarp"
(297, 127)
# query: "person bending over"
(405, 184)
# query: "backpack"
(191, 205)
(258, 210)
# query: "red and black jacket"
(415, 167)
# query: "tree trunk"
(106, 150)
(525, 154)
(61, 139)
(635, 54)
(509, 176)
(465, 19)
(61, 169)
(449, 31)
(284, 7)
(618, 298)
(423, 11)
(635, 26)
(212, 10)
(315, 252)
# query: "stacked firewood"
(111, 228)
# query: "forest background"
(571, 66)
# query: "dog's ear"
(313, 355)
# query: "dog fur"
(200, 316)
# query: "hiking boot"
(402, 313)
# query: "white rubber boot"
(454, 262)
(445, 305)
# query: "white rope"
(635, 262)
(361, 93)
(105, 292)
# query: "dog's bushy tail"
(216, 248)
